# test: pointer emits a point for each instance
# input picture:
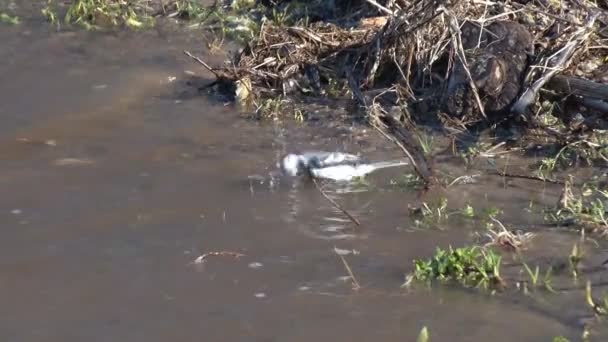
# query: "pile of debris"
(482, 57)
(463, 61)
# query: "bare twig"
(202, 258)
(457, 42)
(201, 62)
(484, 20)
(400, 145)
(338, 206)
(536, 10)
(399, 138)
(356, 285)
(376, 48)
(529, 177)
(310, 35)
(380, 7)
(504, 237)
(468, 179)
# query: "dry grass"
(502, 237)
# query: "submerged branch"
(335, 204)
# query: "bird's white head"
(292, 165)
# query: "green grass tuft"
(9, 19)
(469, 266)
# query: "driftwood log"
(590, 94)
(578, 86)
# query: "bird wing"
(325, 159)
(343, 172)
(346, 172)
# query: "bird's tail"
(390, 163)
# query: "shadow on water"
(114, 180)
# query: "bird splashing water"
(331, 165)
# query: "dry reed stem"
(516, 241)
(356, 285)
(201, 62)
(203, 258)
(457, 42)
(380, 7)
(335, 204)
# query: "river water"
(116, 175)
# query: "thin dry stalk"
(335, 204)
(466, 179)
(377, 124)
(529, 177)
(457, 42)
(201, 62)
(400, 145)
(356, 285)
(545, 13)
(203, 258)
(505, 238)
(380, 7)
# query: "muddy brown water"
(113, 182)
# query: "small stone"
(255, 265)
(260, 295)
(16, 211)
(71, 162)
(343, 252)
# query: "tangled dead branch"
(553, 64)
(463, 62)
(474, 53)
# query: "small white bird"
(298, 164)
(331, 165)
